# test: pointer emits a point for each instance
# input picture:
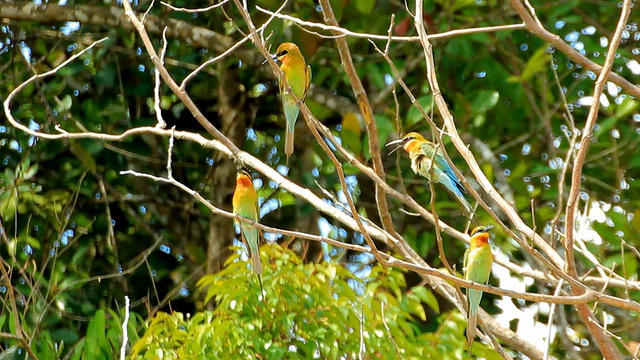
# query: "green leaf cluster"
(308, 311)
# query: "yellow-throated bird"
(245, 204)
(425, 160)
(298, 76)
(477, 268)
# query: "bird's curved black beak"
(399, 142)
(487, 228)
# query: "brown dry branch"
(21, 335)
(603, 340)
(260, 45)
(340, 31)
(587, 297)
(554, 269)
(367, 113)
(534, 26)
(204, 9)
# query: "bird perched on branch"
(477, 267)
(298, 76)
(427, 159)
(245, 204)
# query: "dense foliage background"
(78, 235)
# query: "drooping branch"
(367, 113)
(534, 26)
(607, 347)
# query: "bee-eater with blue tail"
(426, 160)
(298, 76)
(477, 267)
(245, 204)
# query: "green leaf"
(414, 115)
(628, 106)
(65, 104)
(459, 4)
(365, 7)
(484, 101)
(96, 333)
(427, 297)
(30, 172)
(605, 126)
(538, 63)
(83, 155)
(385, 128)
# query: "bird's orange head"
(287, 51)
(412, 141)
(480, 235)
(409, 142)
(243, 179)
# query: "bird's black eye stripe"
(282, 53)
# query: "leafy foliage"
(309, 311)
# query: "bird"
(245, 204)
(477, 267)
(298, 76)
(426, 160)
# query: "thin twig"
(367, 113)
(552, 309)
(156, 90)
(608, 349)
(197, 10)
(307, 115)
(342, 32)
(125, 329)
(534, 27)
(384, 322)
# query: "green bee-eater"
(298, 76)
(477, 268)
(245, 204)
(425, 160)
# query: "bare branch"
(125, 332)
(534, 26)
(367, 113)
(342, 32)
(205, 9)
(607, 347)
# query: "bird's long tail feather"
(471, 329)
(465, 203)
(257, 265)
(454, 186)
(255, 256)
(291, 112)
(288, 144)
(260, 283)
(474, 302)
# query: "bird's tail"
(260, 283)
(471, 328)
(291, 112)
(457, 189)
(288, 144)
(252, 237)
(255, 258)
(465, 203)
(474, 302)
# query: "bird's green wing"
(306, 90)
(465, 261)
